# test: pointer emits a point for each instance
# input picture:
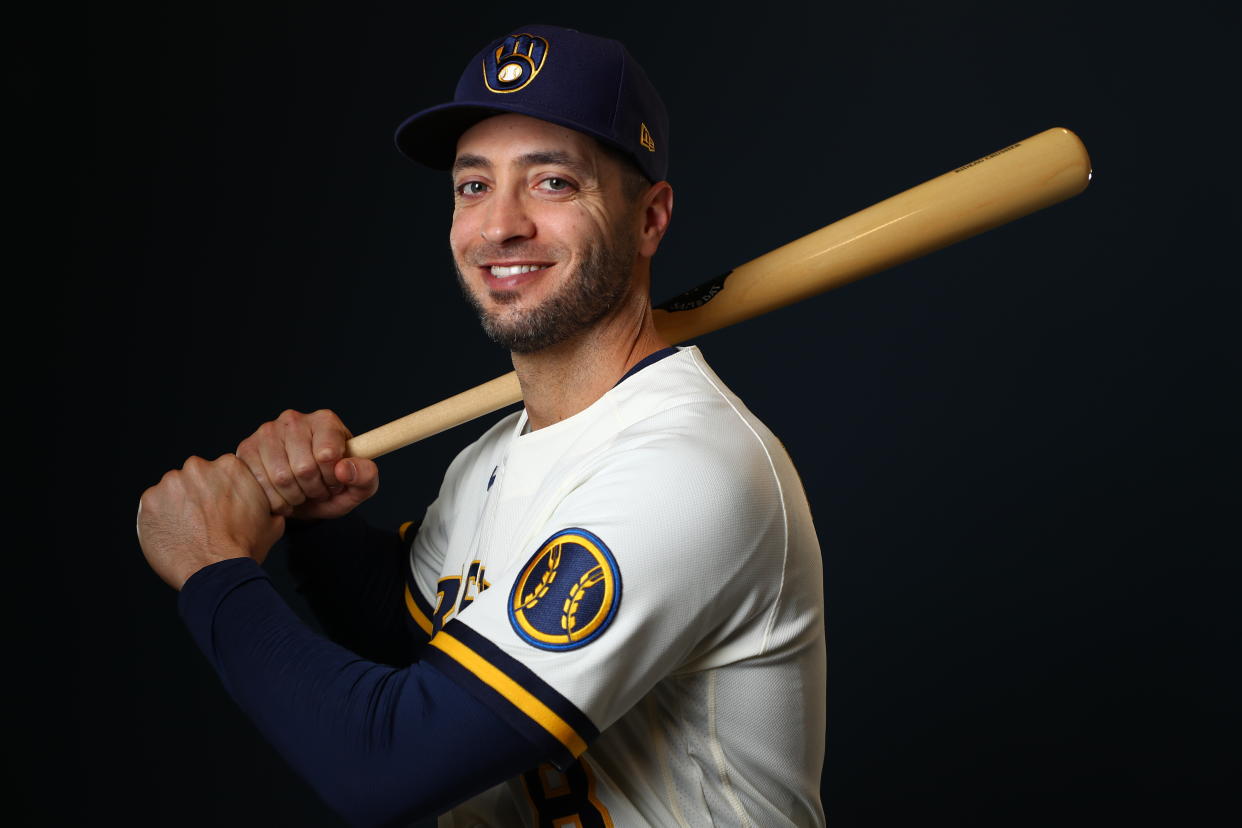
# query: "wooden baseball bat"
(993, 190)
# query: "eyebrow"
(559, 157)
(470, 162)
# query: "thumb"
(359, 475)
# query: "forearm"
(380, 745)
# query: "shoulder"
(683, 383)
(683, 457)
(681, 416)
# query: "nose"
(506, 218)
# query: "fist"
(299, 461)
(203, 513)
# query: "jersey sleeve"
(663, 554)
(427, 544)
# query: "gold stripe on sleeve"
(518, 696)
(423, 622)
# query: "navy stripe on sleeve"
(419, 613)
(513, 692)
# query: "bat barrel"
(1000, 187)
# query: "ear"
(657, 204)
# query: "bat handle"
(457, 409)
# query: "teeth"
(501, 270)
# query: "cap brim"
(430, 137)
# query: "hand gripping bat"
(993, 190)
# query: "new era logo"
(644, 138)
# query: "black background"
(1020, 451)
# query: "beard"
(592, 292)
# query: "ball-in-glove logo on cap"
(515, 62)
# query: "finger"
(285, 451)
(238, 479)
(360, 477)
(359, 480)
(329, 437)
(278, 473)
(308, 474)
(250, 452)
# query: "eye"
(471, 188)
(553, 184)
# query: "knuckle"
(326, 417)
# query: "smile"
(501, 271)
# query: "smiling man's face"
(544, 238)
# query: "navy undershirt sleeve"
(381, 745)
(352, 576)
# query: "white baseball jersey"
(637, 589)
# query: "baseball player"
(612, 613)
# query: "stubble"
(594, 290)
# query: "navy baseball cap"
(587, 83)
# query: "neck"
(560, 381)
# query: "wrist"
(201, 562)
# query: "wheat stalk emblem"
(545, 583)
(570, 609)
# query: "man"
(612, 614)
